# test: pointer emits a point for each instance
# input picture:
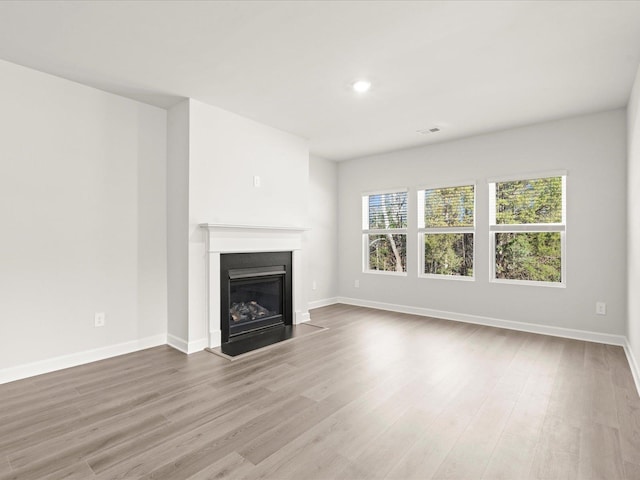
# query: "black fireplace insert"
(255, 293)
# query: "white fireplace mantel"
(244, 239)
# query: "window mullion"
(447, 230)
(386, 231)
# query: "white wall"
(178, 221)
(224, 152)
(593, 150)
(82, 218)
(152, 222)
(321, 242)
(633, 220)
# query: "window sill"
(529, 283)
(458, 278)
(382, 272)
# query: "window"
(446, 224)
(527, 226)
(385, 232)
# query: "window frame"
(422, 230)
(366, 231)
(528, 228)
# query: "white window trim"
(422, 231)
(385, 190)
(527, 176)
(528, 227)
(383, 231)
(366, 231)
(439, 276)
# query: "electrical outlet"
(99, 319)
(601, 308)
(314, 286)
(356, 283)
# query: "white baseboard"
(74, 359)
(177, 343)
(323, 303)
(187, 347)
(301, 317)
(597, 337)
(215, 339)
(197, 345)
(633, 364)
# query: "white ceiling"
(468, 67)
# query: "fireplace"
(255, 293)
(225, 241)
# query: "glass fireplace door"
(255, 300)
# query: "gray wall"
(178, 220)
(591, 148)
(82, 182)
(321, 242)
(633, 219)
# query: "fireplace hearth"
(255, 296)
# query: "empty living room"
(317, 240)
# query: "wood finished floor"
(378, 395)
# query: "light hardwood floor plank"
(340, 428)
(470, 455)
(229, 467)
(377, 395)
(619, 368)
(632, 470)
(512, 457)
(459, 408)
(76, 471)
(628, 410)
(600, 397)
(5, 468)
(209, 416)
(77, 446)
(600, 455)
(179, 440)
(514, 453)
(394, 441)
(200, 453)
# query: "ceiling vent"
(429, 131)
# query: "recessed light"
(362, 86)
